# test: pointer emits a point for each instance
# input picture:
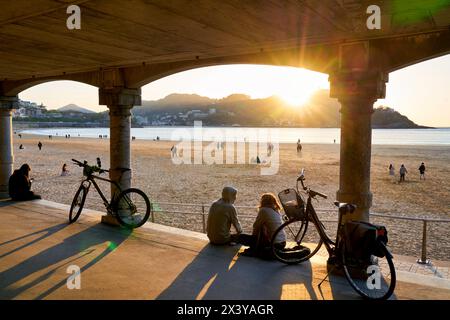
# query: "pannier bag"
(362, 239)
(292, 203)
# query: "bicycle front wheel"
(373, 278)
(298, 234)
(132, 208)
(77, 204)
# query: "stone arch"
(315, 58)
(14, 87)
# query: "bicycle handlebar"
(85, 165)
(78, 162)
(311, 192)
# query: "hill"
(74, 108)
(239, 109)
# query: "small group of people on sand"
(40, 145)
(223, 215)
(403, 171)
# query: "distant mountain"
(239, 109)
(179, 100)
(74, 108)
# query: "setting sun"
(295, 98)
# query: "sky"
(421, 92)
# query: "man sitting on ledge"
(221, 216)
(20, 185)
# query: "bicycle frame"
(311, 215)
(91, 180)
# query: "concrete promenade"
(37, 245)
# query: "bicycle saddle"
(348, 207)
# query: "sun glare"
(297, 94)
(296, 98)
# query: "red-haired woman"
(265, 225)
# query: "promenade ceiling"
(35, 42)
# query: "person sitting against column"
(20, 185)
(221, 216)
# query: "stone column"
(356, 91)
(7, 104)
(119, 102)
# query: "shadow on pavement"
(74, 247)
(218, 273)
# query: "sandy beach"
(163, 181)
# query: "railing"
(422, 260)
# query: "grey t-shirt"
(272, 220)
(220, 218)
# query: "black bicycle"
(131, 207)
(360, 247)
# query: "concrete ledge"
(423, 280)
(160, 262)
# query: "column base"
(110, 220)
(4, 195)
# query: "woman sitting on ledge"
(20, 185)
(265, 225)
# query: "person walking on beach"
(403, 172)
(221, 216)
(20, 184)
(391, 170)
(20, 136)
(40, 145)
(422, 171)
(299, 146)
(174, 151)
(269, 149)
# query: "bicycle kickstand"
(327, 276)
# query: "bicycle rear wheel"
(299, 234)
(77, 204)
(132, 208)
(374, 278)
